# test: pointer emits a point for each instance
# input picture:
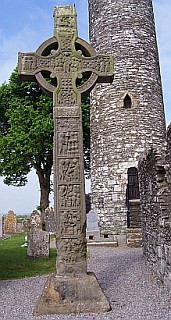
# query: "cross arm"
(30, 64)
(102, 65)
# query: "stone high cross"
(65, 59)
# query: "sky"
(24, 25)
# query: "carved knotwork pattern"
(70, 222)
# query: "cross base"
(65, 295)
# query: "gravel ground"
(130, 285)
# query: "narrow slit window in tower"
(127, 102)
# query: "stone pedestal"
(65, 295)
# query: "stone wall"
(155, 183)
(119, 134)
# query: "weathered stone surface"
(23, 226)
(35, 220)
(66, 58)
(10, 223)
(50, 224)
(64, 295)
(155, 183)
(134, 238)
(38, 244)
(120, 135)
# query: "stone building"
(127, 116)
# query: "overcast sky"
(24, 25)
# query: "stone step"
(102, 244)
(134, 230)
(134, 237)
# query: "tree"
(26, 135)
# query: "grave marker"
(10, 223)
(50, 220)
(65, 57)
(93, 232)
(38, 244)
(35, 220)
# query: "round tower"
(127, 116)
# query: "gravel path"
(131, 287)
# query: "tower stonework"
(127, 116)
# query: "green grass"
(14, 263)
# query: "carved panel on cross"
(66, 40)
(66, 95)
(63, 21)
(71, 250)
(66, 123)
(73, 111)
(67, 144)
(70, 223)
(98, 64)
(69, 170)
(69, 196)
(32, 63)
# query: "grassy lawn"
(14, 263)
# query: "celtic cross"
(64, 59)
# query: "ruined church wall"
(119, 136)
(155, 183)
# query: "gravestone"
(93, 232)
(19, 228)
(25, 225)
(50, 220)
(66, 58)
(10, 223)
(38, 244)
(35, 220)
(1, 233)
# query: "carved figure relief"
(32, 62)
(68, 143)
(71, 250)
(70, 223)
(69, 170)
(69, 196)
(76, 64)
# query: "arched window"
(127, 102)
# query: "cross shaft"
(64, 59)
